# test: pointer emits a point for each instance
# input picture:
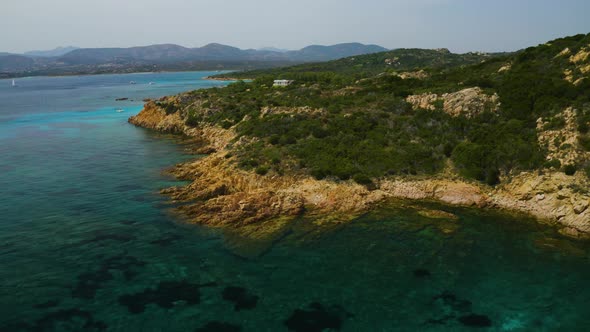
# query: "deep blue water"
(88, 244)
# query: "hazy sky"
(460, 25)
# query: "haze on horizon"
(460, 25)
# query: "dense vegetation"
(348, 119)
(370, 65)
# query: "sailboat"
(14, 84)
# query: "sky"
(459, 25)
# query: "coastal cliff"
(509, 131)
(222, 194)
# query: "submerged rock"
(166, 240)
(421, 273)
(317, 318)
(90, 282)
(475, 320)
(165, 296)
(240, 297)
(48, 304)
(216, 326)
(438, 214)
(451, 301)
(61, 320)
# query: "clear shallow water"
(87, 243)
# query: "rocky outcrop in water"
(154, 117)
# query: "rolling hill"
(169, 57)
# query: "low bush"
(553, 163)
(362, 179)
(584, 141)
(262, 170)
(569, 169)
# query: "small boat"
(14, 84)
(151, 83)
(132, 82)
(120, 110)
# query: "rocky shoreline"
(223, 79)
(221, 194)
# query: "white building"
(282, 82)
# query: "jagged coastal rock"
(221, 194)
(562, 143)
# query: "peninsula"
(508, 131)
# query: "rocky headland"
(504, 132)
(261, 206)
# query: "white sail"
(13, 83)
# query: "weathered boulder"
(467, 102)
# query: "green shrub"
(318, 174)
(274, 139)
(192, 121)
(583, 119)
(262, 170)
(168, 107)
(470, 159)
(334, 109)
(553, 163)
(319, 133)
(362, 179)
(492, 176)
(249, 163)
(569, 169)
(438, 104)
(225, 124)
(554, 123)
(584, 141)
(287, 140)
(448, 149)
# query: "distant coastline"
(170, 57)
(9, 77)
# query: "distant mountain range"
(71, 60)
(52, 53)
(273, 49)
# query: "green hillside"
(368, 65)
(350, 118)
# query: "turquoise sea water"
(88, 244)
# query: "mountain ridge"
(58, 51)
(169, 57)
